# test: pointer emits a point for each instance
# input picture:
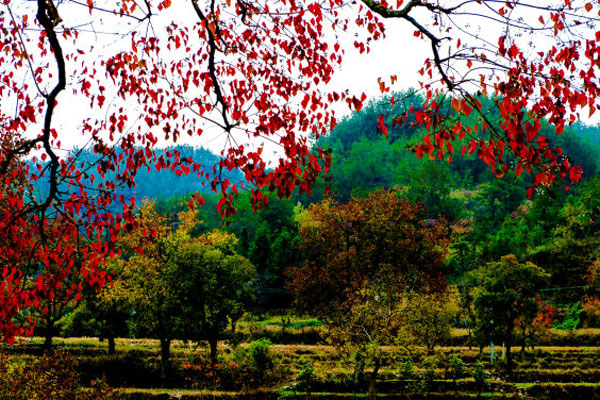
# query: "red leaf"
(529, 193)
(381, 127)
(456, 105)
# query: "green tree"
(507, 297)
(148, 278)
(215, 285)
(103, 313)
(112, 306)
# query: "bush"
(572, 319)
(208, 375)
(479, 375)
(306, 377)
(257, 364)
(429, 364)
(457, 367)
(260, 354)
(49, 377)
(406, 368)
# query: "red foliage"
(141, 71)
(546, 315)
(375, 241)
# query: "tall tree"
(216, 286)
(149, 280)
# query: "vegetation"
(349, 261)
(389, 275)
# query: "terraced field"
(301, 371)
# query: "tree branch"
(404, 14)
(211, 66)
(49, 18)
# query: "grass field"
(547, 372)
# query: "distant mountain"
(151, 183)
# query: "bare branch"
(48, 18)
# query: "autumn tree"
(65, 277)
(507, 298)
(181, 286)
(246, 74)
(364, 262)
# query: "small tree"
(457, 369)
(113, 306)
(506, 298)
(62, 290)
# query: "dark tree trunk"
(165, 347)
(373, 380)
(111, 344)
(48, 341)
(509, 342)
(470, 339)
(48, 335)
(212, 342)
(523, 332)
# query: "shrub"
(207, 375)
(572, 318)
(406, 368)
(418, 386)
(306, 377)
(429, 364)
(479, 375)
(49, 377)
(257, 364)
(457, 367)
(260, 354)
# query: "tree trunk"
(470, 335)
(111, 344)
(165, 347)
(523, 331)
(373, 380)
(212, 342)
(509, 362)
(48, 341)
(48, 335)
